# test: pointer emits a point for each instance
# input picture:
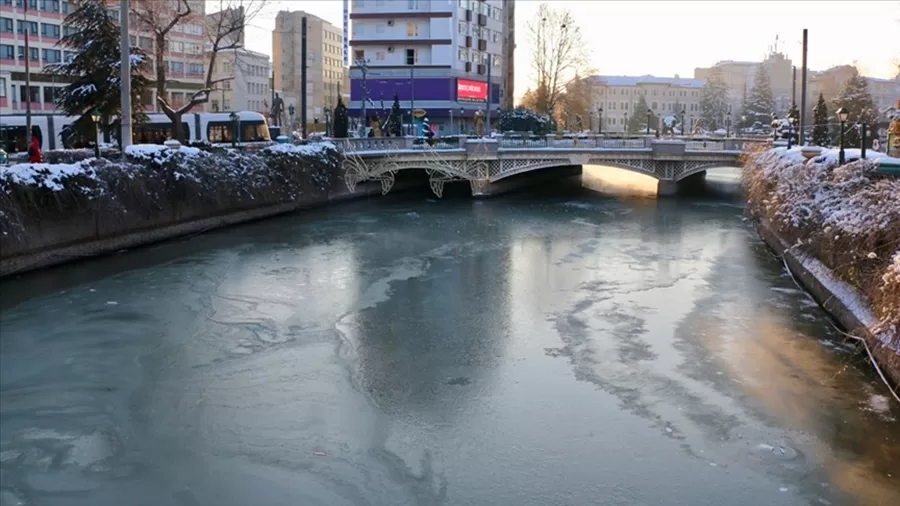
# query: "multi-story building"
(324, 68)
(437, 56)
(243, 77)
(619, 97)
(44, 23)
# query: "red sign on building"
(471, 91)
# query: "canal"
(557, 346)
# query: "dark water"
(554, 347)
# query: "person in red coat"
(34, 151)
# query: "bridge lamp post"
(774, 127)
(649, 113)
(95, 117)
(728, 124)
(625, 128)
(599, 121)
(843, 116)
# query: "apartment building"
(324, 62)
(436, 55)
(619, 97)
(244, 82)
(44, 23)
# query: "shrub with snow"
(155, 182)
(846, 216)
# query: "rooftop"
(647, 79)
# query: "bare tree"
(223, 30)
(560, 54)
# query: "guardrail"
(375, 144)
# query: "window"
(2, 87)
(35, 94)
(495, 36)
(413, 4)
(66, 8)
(463, 54)
(195, 68)
(69, 30)
(32, 27)
(68, 56)
(7, 52)
(176, 66)
(412, 56)
(412, 30)
(359, 54)
(6, 25)
(49, 94)
(49, 30)
(379, 55)
(145, 43)
(50, 5)
(51, 55)
(34, 56)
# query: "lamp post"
(95, 116)
(843, 115)
(683, 133)
(649, 113)
(728, 124)
(774, 127)
(462, 120)
(625, 128)
(791, 121)
(328, 121)
(451, 121)
(234, 128)
(599, 120)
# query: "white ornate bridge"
(484, 162)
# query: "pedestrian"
(34, 151)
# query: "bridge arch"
(696, 168)
(524, 168)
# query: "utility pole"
(303, 50)
(27, 79)
(412, 102)
(364, 68)
(487, 112)
(803, 91)
(794, 87)
(125, 135)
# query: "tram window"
(157, 133)
(254, 131)
(12, 138)
(219, 131)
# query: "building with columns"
(619, 97)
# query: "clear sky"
(665, 38)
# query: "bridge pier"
(671, 187)
(486, 188)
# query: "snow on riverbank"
(844, 223)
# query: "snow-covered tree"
(341, 122)
(521, 119)
(637, 119)
(223, 30)
(855, 98)
(714, 101)
(93, 73)
(760, 103)
(395, 120)
(820, 135)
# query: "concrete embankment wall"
(82, 236)
(888, 359)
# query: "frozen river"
(558, 347)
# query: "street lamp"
(774, 127)
(649, 113)
(95, 116)
(728, 124)
(682, 123)
(234, 128)
(625, 128)
(791, 121)
(843, 115)
(328, 121)
(599, 120)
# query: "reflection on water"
(549, 347)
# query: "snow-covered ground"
(844, 219)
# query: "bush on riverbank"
(848, 217)
(154, 185)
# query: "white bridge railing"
(377, 144)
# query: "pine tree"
(93, 73)
(820, 135)
(714, 101)
(521, 119)
(395, 120)
(341, 122)
(855, 98)
(637, 122)
(760, 103)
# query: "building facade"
(619, 96)
(244, 82)
(44, 22)
(325, 72)
(437, 56)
